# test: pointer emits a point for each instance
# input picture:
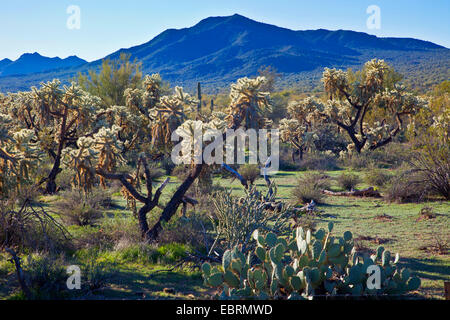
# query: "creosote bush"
(82, 209)
(407, 187)
(111, 233)
(309, 187)
(46, 276)
(432, 169)
(250, 172)
(235, 219)
(377, 177)
(319, 161)
(348, 181)
(27, 226)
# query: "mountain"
(4, 63)
(29, 63)
(218, 50)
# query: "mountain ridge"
(218, 50)
(29, 63)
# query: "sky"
(106, 26)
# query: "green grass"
(132, 275)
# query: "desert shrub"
(181, 172)
(432, 169)
(64, 179)
(306, 220)
(329, 139)
(377, 177)
(407, 187)
(82, 209)
(309, 187)
(96, 276)
(357, 161)
(250, 172)
(46, 276)
(27, 193)
(29, 226)
(393, 155)
(235, 219)
(319, 161)
(167, 165)
(192, 230)
(285, 160)
(101, 198)
(348, 181)
(111, 233)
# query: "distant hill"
(29, 63)
(218, 50)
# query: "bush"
(432, 168)
(64, 179)
(193, 231)
(46, 276)
(96, 276)
(393, 155)
(286, 163)
(309, 187)
(76, 208)
(320, 161)
(250, 172)
(167, 165)
(30, 227)
(112, 233)
(235, 219)
(377, 177)
(348, 181)
(407, 187)
(181, 172)
(358, 161)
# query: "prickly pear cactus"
(306, 265)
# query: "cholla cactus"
(300, 129)
(350, 103)
(441, 125)
(56, 115)
(248, 103)
(109, 148)
(168, 114)
(21, 155)
(335, 81)
(81, 161)
(308, 111)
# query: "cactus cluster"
(305, 265)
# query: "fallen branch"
(368, 192)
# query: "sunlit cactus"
(355, 99)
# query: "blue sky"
(29, 26)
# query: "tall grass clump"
(309, 187)
(348, 181)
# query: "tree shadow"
(127, 283)
(422, 268)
